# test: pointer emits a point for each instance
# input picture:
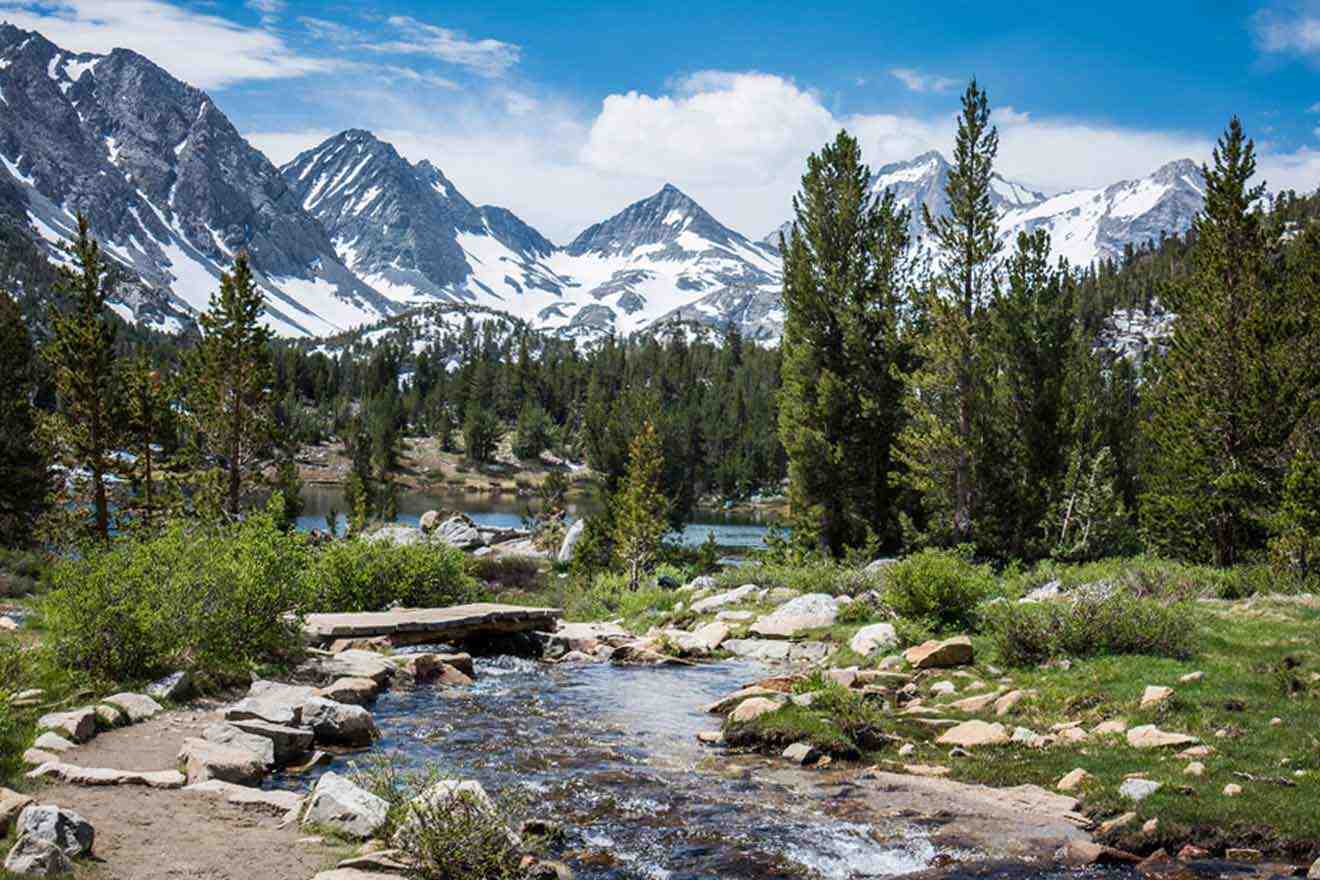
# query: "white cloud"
(205, 50)
(916, 81)
(1291, 26)
(486, 56)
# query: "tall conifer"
(24, 460)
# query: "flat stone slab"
(275, 802)
(107, 776)
(418, 625)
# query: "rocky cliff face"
(167, 183)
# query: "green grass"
(1257, 666)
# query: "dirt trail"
(148, 834)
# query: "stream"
(610, 753)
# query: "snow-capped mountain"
(1085, 225)
(408, 232)
(169, 187)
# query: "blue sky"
(567, 112)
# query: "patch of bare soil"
(149, 834)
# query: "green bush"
(1166, 579)
(1093, 625)
(938, 588)
(361, 574)
(608, 595)
(190, 596)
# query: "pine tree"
(81, 355)
(147, 399)
(840, 401)
(231, 394)
(640, 510)
(24, 461)
(481, 433)
(1227, 397)
(948, 395)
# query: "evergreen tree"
(948, 395)
(24, 461)
(640, 510)
(231, 394)
(147, 399)
(81, 355)
(481, 433)
(840, 402)
(532, 433)
(1228, 396)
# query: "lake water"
(506, 512)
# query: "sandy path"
(146, 834)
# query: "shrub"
(807, 577)
(1092, 625)
(839, 721)
(609, 595)
(362, 574)
(938, 588)
(214, 598)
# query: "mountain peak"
(662, 219)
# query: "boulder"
(78, 725)
(704, 582)
(745, 593)
(429, 520)
(874, 638)
(272, 702)
(70, 833)
(802, 753)
(1232, 790)
(397, 534)
(1154, 695)
(1008, 702)
(1073, 780)
(354, 691)
(1148, 736)
(138, 707)
(704, 639)
(450, 676)
(32, 857)
(1113, 727)
(339, 723)
(353, 663)
(812, 611)
(224, 733)
(956, 651)
(758, 649)
(1191, 678)
(337, 805)
(11, 804)
(1314, 873)
(1138, 789)
(1195, 768)
(202, 760)
(972, 705)
(568, 546)
(459, 531)
(586, 637)
(735, 616)
(288, 742)
(1079, 853)
(175, 687)
(971, 734)
(878, 566)
(753, 707)
(727, 704)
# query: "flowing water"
(731, 532)
(611, 754)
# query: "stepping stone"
(75, 775)
(274, 802)
(110, 716)
(138, 707)
(51, 741)
(289, 742)
(353, 691)
(227, 734)
(78, 725)
(203, 760)
(338, 723)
